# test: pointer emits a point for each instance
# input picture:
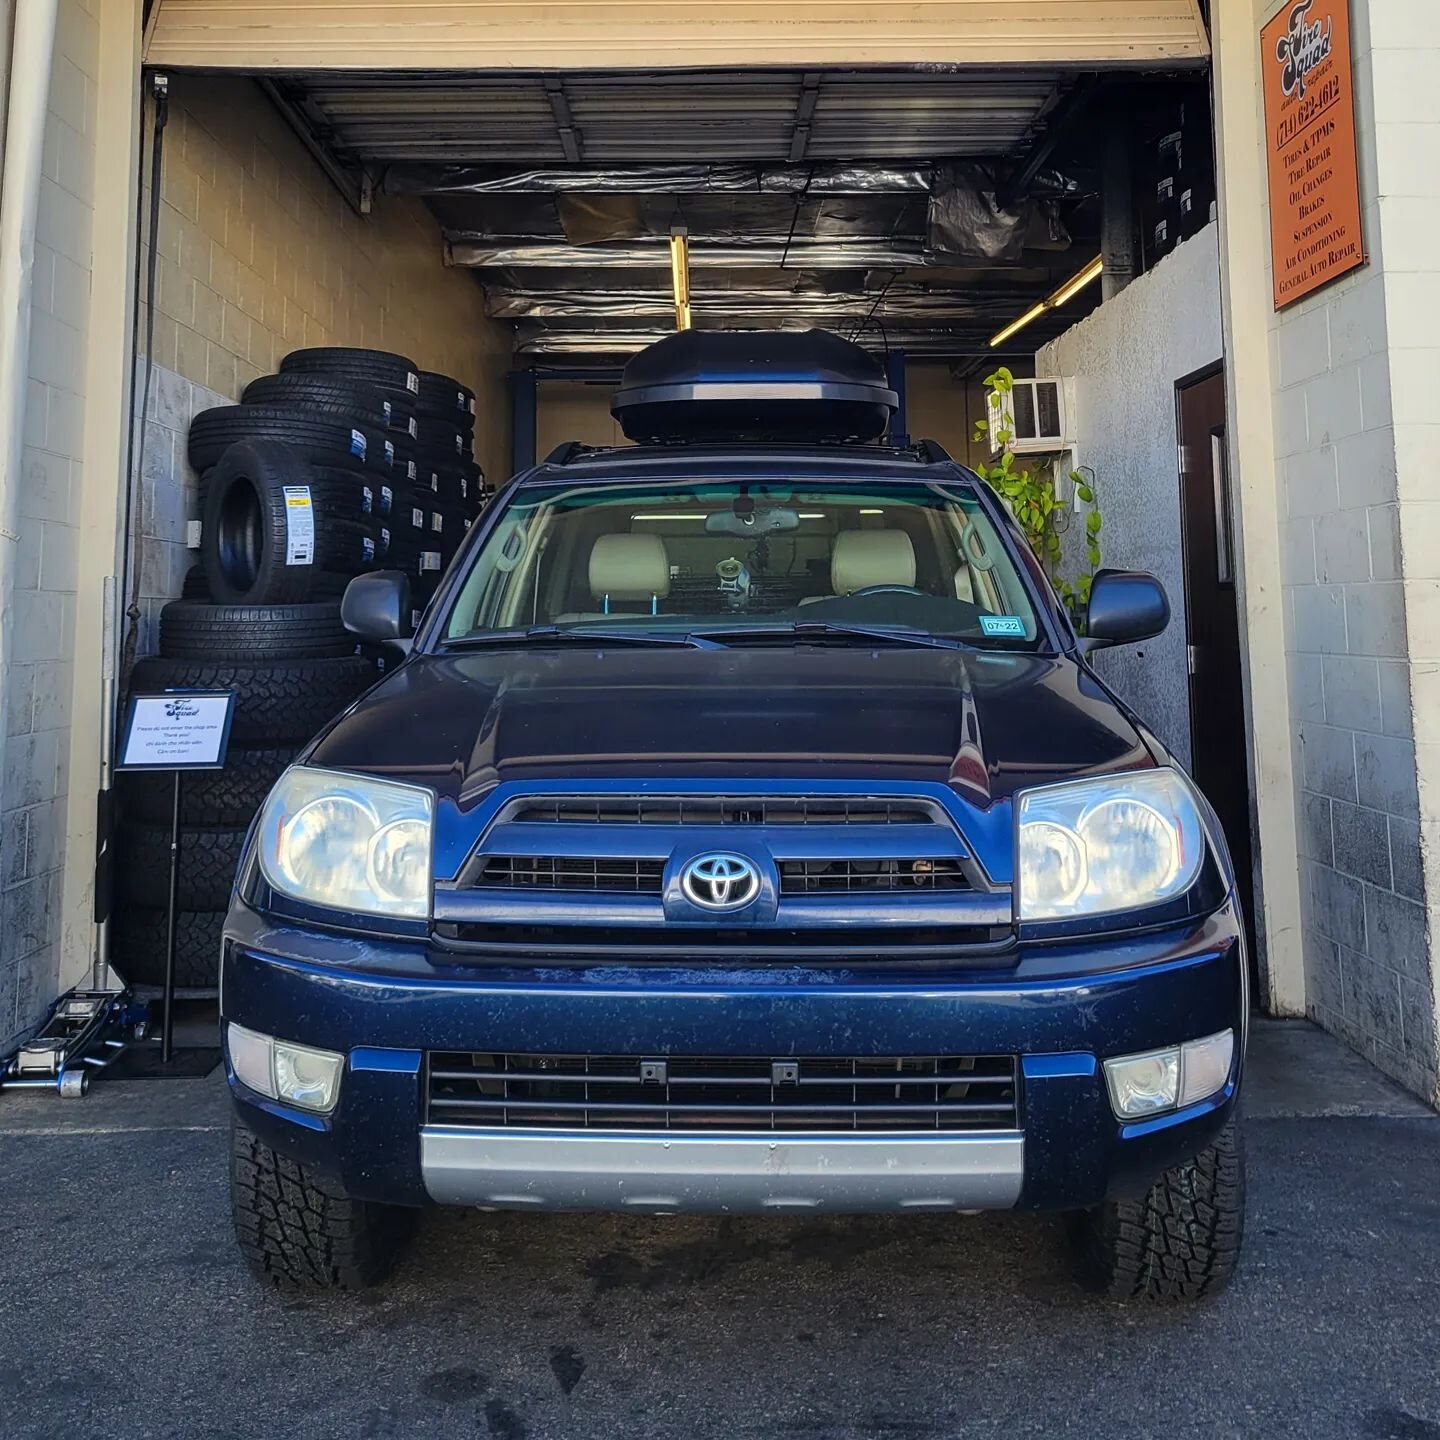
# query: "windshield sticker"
(1002, 625)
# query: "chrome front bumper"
(841, 1173)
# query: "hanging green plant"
(1030, 494)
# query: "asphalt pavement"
(125, 1312)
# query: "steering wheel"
(885, 590)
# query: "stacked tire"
(292, 669)
(345, 461)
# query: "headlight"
(348, 843)
(302, 1075)
(1090, 847)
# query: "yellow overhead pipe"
(680, 275)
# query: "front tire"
(299, 1230)
(1181, 1241)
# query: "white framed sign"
(177, 730)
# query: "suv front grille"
(720, 810)
(604, 874)
(684, 1092)
(869, 877)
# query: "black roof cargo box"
(805, 385)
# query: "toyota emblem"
(720, 881)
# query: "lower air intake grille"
(686, 1092)
(572, 872)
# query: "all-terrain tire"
(382, 368)
(137, 945)
(195, 629)
(253, 543)
(208, 861)
(1180, 1242)
(214, 798)
(312, 434)
(282, 703)
(299, 1230)
(445, 398)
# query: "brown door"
(1212, 624)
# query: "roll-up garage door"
(275, 35)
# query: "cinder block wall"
(1353, 369)
(37, 700)
(259, 254)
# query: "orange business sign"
(1310, 146)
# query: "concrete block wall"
(1126, 357)
(1352, 405)
(260, 254)
(37, 703)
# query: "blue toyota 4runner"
(743, 831)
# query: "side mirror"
(376, 607)
(1125, 606)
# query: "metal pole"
(167, 1031)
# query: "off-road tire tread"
(211, 798)
(299, 1230)
(209, 857)
(1181, 1241)
(282, 703)
(137, 945)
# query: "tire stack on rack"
(303, 485)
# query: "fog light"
(283, 1071)
(250, 1059)
(305, 1077)
(1144, 1084)
(1161, 1080)
(1205, 1066)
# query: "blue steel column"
(524, 410)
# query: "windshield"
(747, 560)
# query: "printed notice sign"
(177, 730)
(1310, 147)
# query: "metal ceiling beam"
(313, 132)
(521, 252)
(917, 344)
(899, 306)
(831, 178)
(570, 139)
(1065, 118)
(804, 114)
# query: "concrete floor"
(125, 1312)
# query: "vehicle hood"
(985, 724)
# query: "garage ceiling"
(811, 197)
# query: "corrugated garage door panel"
(660, 34)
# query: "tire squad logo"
(1304, 46)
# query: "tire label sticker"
(299, 526)
(429, 560)
(367, 500)
(357, 443)
(384, 541)
(412, 382)
(387, 414)
(389, 455)
(367, 549)
(387, 499)
(417, 518)
(437, 521)
(410, 471)
(459, 443)
(434, 480)
(412, 427)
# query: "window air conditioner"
(1033, 414)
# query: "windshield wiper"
(550, 634)
(829, 629)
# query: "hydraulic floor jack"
(84, 1033)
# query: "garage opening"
(514, 238)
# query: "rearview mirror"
(1125, 606)
(761, 520)
(376, 607)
